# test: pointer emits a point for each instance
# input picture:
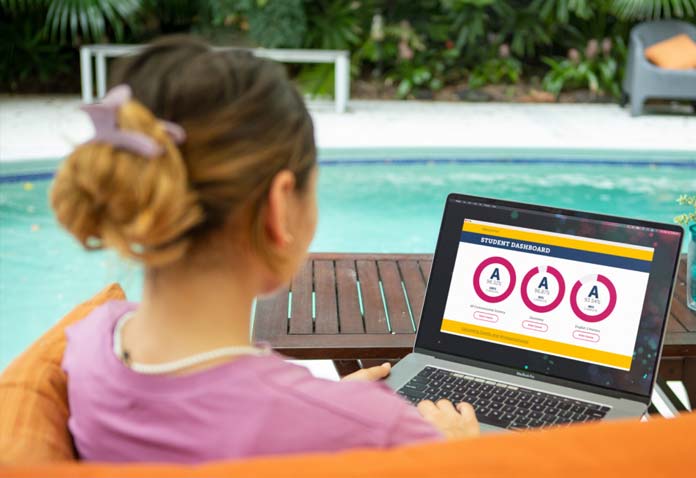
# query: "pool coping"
(37, 169)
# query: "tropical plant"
(688, 217)
(80, 20)
(25, 56)
(646, 9)
(175, 15)
(596, 68)
(469, 20)
(277, 24)
(405, 55)
(521, 28)
(502, 69)
(333, 24)
(561, 11)
(411, 76)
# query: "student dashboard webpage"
(553, 293)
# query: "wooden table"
(366, 307)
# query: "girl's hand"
(371, 374)
(453, 423)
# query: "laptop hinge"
(537, 376)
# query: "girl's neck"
(184, 313)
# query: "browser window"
(558, 294)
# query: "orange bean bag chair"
(35, 442)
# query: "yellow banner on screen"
(537, 344)
(551, 240)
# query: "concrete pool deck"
(41, 127)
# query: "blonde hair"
(244, 123)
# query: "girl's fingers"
(466, 410)
(446, 406)
(370, 374)
(427, 408)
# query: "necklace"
(173, 366)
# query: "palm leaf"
(647, 9)
(20, 6)
(87, 19)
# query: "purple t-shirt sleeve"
(411, 427)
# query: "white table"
(100, 52)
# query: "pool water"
(363, 208)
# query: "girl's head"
(239, 190)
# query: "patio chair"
(645, 80)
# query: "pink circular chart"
(599, 298)
(495, 292)
(539, 303)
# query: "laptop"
(540, 316)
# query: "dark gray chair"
(645, 80)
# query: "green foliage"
(79, 20)
(333, 24)
(89, 19)
(646, 9)
(496, 71)
(175, 15)
(688, 217)
(317, 81)
(523, 30)
(596, 70)
(561, 11)
(277, 23)
(26, 56)
(407, 59)
(470, 19)
(411, 45)
(412, 76)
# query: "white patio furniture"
(340, 59)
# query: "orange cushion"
(658, 448)
(33, 394)
(676, 53)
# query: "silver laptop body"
(481, 333)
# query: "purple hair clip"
(104, 114)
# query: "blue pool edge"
(43, 169)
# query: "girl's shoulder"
(88, 339)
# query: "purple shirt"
(254, 405)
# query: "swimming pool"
(377, 207)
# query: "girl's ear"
(277, 221)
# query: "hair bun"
(111, 197)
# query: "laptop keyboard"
(500, 404)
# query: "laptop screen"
(565, 294)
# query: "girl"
(203, 168)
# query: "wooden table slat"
(685, 316)
(415, 287)
(336, 256)
(266, 317)
(674, 326)
(399, 317)
(326, 314)
(349, 317)
(373, 307)
(301, 307)
(345, 346)
(426, 265)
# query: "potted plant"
(688, 220)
